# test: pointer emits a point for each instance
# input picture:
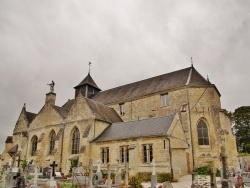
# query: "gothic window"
(34, 141)
(105, 155)
(122, 111)
(124, 154)
(52, 142)
(164, 100)
(147, 153)
(75, 141)
(202, 130)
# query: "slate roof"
(13, 149)
(9, 140)
(88, 80)
(153, 127)
(30, 116)
(163, 83)
(103, 112)
(63, 111)
(68, 104)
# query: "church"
(175, 118)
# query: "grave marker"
(53, 165)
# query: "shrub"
(204, 170)
(143, 176)
(135, 182)
(29, 177)
(163, 176)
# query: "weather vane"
(89, 66)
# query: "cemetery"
(113, 176)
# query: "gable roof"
(103, 112)
(9, 140)
(153, 127)
(30, 116)
(62, 111)
(88, 80)
(68, 104)
(166, 82)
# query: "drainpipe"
(190, 129)
(170, 157)
(62, 145)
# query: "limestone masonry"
(175, 119)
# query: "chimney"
(50, 99)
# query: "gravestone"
(36, 174)
(52, 182)
(98, 175)
(53, 165)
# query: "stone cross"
(118, 177)
(53, 165)
(99, 162)
(153, 170)
(153, 176)
(109, 182)
(126, 174)
(36, 174)
(90, 172)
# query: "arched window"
(202, 130)
(52, 142)
(34, 145)
(75, 141)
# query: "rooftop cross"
(89, 66)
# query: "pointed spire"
(191, 62)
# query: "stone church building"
(175, 119)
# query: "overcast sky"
(126, 41)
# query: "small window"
(202, 130)
(105, 155)
(124, 154)
(75, 141)
(52, 142)
(164, 100)
(122, 111)
(91, 90)
(147, 153)
(34, 141)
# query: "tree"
(241, 117)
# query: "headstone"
(53, 165)
(58, 175)
(36, 174)
(97, 177)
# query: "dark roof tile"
(103, 112)
(9, 140)
(88, 80)
(158, 84)
(153, 127)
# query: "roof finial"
(191, 62)
(207, 78)
(89, 66)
